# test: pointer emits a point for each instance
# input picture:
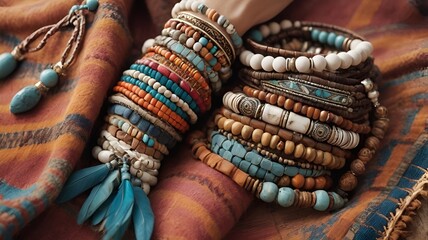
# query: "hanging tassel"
(142, 215)
(119, 212)
(101, 212)
(98, 196)
(83, 180)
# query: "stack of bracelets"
(166, 90)
(306, 111)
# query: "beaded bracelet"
(251, 107)
(213, 15)
(140, 137)
(200, 94)
(134, 143)
(358, 51)
(282, 149)
(286, 197)
(285, 134)
(154, 106)
(307, 110)
(155, 88)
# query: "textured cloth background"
(39, 149)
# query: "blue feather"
(98, 195)
(82, 180)
(120, 210)
(142, 215)
(100, 214)
(121, 231)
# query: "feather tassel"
(101, 213)
(83, 180)
(98, 195)
(142, 215)
(120, 210)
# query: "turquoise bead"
(269, 192)
(277, 169)
(286, 197)
(331, 38)
(314, 34)
(291, 171)
(151, 142)
(203, 41)
(323, 200)
(339, 202)
(266, 164)
(238, 150)
(236, 160)
(269, 177)
(253, 170)
(322, 37)
(7, 64)
(49, 78)
(256, 35)
(25, 99)
(338, 43)
(92, 5)
(227, 155)
(244, 166)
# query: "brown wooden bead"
(319, 157)
(274, 142)
(327, 159)
(382, 124)
(288, 104)
(265, 140)
(372, 143)
(320, 182)
(310, 154)
(246, 132)
(358, 167)
(228, 124)
(297, 107)
(309, 183)
(381, 112)
(281, 101)
(316, 114)
(289, 147)
(299, 150)
(284, 181)
(310, 112)
(304, 109)
(348, 182)
(280, 146)
(323, 116)
(298, 181)
(236, 128)
(377, 132)
(365, 154)
(274, 99)
(257, 135)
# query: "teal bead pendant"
(7, 64)
(28, 97)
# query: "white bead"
(319, 63)
(190, 42)
(297, 24)
(367, 45)
(264, 30)
(346, 60)
(95, 151)
(256, 61)
(197, 46)
(356, 57)
(285, 24)
(151, 81)
(272, 114)
(156, 85)
(137, 164)
(274, 28)
(188, 4)
(298, 123)
(174, 98)
(303, 64)
(267, 63)
(373, 94)
(148, 43)
(244, 56)
(141, 76)
(278, 64)
(135, 74)
(145, 187)
(194, 6)
(161, 89)
(362, 53)
(230, 29)
(174, 10)
(368, 84)
(333, 61)
(105, 156)
(355, 43)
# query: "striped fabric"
(39, 149)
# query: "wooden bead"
(320, 182)
(284, 181)
(309, 183)
(377, 132)
(358, 167)
(246, 132)
(310, 112)
(288, 104)
(257, 135)
(274, 142)
(228, 124)
(323, 116)
(382, 124)
(265, 140)
(316, 114)
(365, 154)
(236, 128)
(319, 157)
(281, 101)
(299, 150)
(298, 181)
(289, 147)
(220, 121)
(381, 112)
(310, 154)
(372, 143)
(297, 107)
(348, 182)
